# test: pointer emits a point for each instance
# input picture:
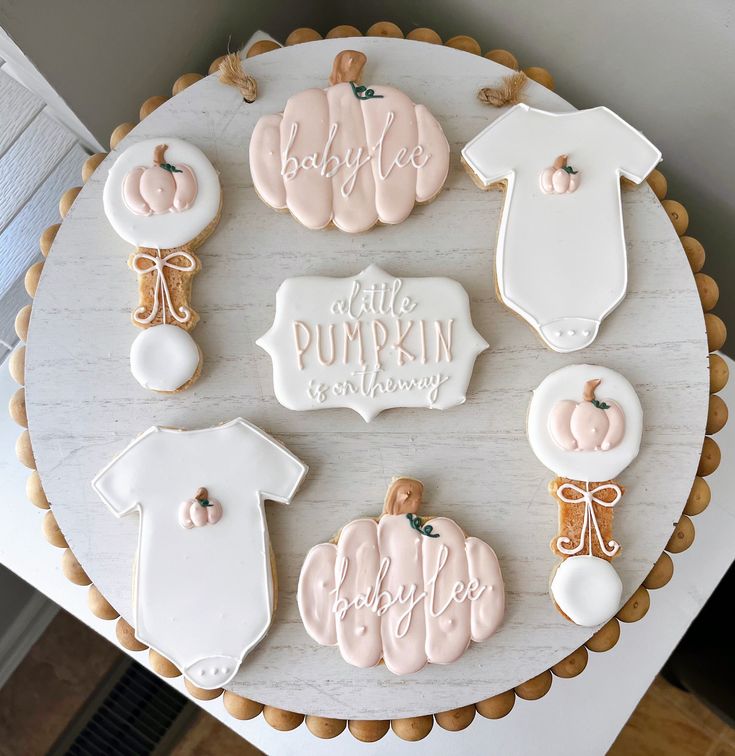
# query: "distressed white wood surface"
(84, 406)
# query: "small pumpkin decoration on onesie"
(199, 511)
(160, 188)
(559, 178)
(349, 155)
(402, 588)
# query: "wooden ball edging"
(455, 720)
(504, 58)
(325, 727)
(719, 373)
(716, 332)
(572, 665)
(17, 408)
(413, 729)
(710, 459)
(151, 104)
(605, 638)
(385, 29)
(301, 35)
(49, 234)
(184, 82)
(464, 43)
(260, 47)
(422, 34)
(52, 532)
(717, 415)
(368, 730)
(282, 719)
(699, 497)
(125, 634)
(162, 666)
(343, 31)
(240, 707)
(636, 607)
(24, 450)
(201, 694)
(35, 492)
(119, 133)
(694, 252)
(708, 290)
(660, 574)
(22, 321)
(536, 687)
(540, 76)
(72, 570)
(17, 365)
(678, 215)
(90, 166)
(497, 707)
(657, 181)
(67, 200)
(99, 605)
(682, 537)
(32, 278)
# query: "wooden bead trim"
(412, 728)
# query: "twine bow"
(160, 288)
(588, 498)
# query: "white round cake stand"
(84, 405)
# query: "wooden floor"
(69, 660)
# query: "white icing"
(589, 519)
(203, 597)
(371, 342)
(155, 265)
(167, 230)
(561, 260)
(567, 383)
(587, 589)
(164, 357)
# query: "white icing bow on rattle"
(588, 498)
(158, 264)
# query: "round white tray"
(84, 406)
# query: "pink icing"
(334, 158)
(388, 591)
(154, 190)
(585, 427)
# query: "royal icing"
(199, 511)
(587, 497)
(561, 260)
(144, 264)
(158, 207)
(164, 358)
(203, 595)
(161, 187)
(591, 440)
(587, 589)
(391, 590)
(349, 155)
(371, 342)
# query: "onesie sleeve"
(492, 155)
(279, 472)
(119, 484)
(636, 156)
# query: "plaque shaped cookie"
(349, 155)
(561, 261)
(404, 588)
(371, 342)
(204, 584)
(164, 197)
(585, 424)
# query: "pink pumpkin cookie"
(402, 588)
(349, 155)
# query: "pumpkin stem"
(589, 389)
(159, 154)
(403, 496)
(347, 67)
(560, 162)
(201, 494)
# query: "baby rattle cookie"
(204, 589)
(164, 197)
(349, 155)
(404, 588)
(585, 423)
(560, 260)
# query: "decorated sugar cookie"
(404, 588)
(164, 197)
(560, 260)
(371, 342)
(585, 424)
(204, 585)
(349, 155)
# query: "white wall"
(667, 66)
